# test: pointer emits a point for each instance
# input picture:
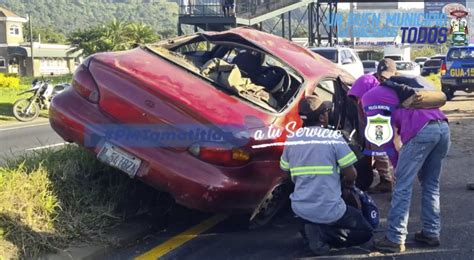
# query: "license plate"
(467, 81)
(460, 72)
(119, 159)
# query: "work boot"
(430, 241)
(314, 237)
(386, 245)
(319, 249)
(383, 187)
(470, 186)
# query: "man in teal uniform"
(316, 162)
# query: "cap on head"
(387, 68)
(312, 106)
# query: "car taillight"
(443, 68)
(220, 154)
(84, 84)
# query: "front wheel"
(25, 110)
(449, 92)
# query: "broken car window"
(250, 73)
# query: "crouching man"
(316, 167)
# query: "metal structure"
(276, 14)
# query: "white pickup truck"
(397, 53)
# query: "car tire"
(449, 92)
(273, 202)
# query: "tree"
(46, 34)
(140, 33)
(113, 36)
(167, 33)
(67, 16)
(425, 51)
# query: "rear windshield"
(328, 54)
(461, 53)
(420, 59)
(368, 64)
(432, 63)
(404, 66)
(393, 57)
(443, 58)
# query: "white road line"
(45, 146)
(19, 127)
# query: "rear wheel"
(25, 110)
(275, 200)
(449, 92)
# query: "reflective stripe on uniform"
(284, 165)
(347, 159)
(309, 170)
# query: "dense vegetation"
(113, 36)
(67, 16)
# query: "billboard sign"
(437, 6)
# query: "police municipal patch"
(379, 129)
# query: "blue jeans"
(423, 156)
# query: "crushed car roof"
(300, 58)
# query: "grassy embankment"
(51, 198)
(9, 96)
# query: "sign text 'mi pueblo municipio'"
(415, 27)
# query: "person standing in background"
(426, 140)
(381, 163)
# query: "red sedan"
(192, 90)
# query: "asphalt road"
(206, 236)
(20, 138)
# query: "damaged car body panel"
(242, 78)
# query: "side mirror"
(346, 61)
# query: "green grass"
(436, 79)
(26, 81)
(54, 197)
(9, 96)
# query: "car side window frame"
(336, 111)
(341, 55)
(351, 56)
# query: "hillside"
(69, 15)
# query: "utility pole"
(31, 46)
(351, 29)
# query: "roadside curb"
(124, 235)
(38, 121)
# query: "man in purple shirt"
(426, 139)
(381, 163)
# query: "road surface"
(20, 138)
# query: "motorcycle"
(28, 109)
